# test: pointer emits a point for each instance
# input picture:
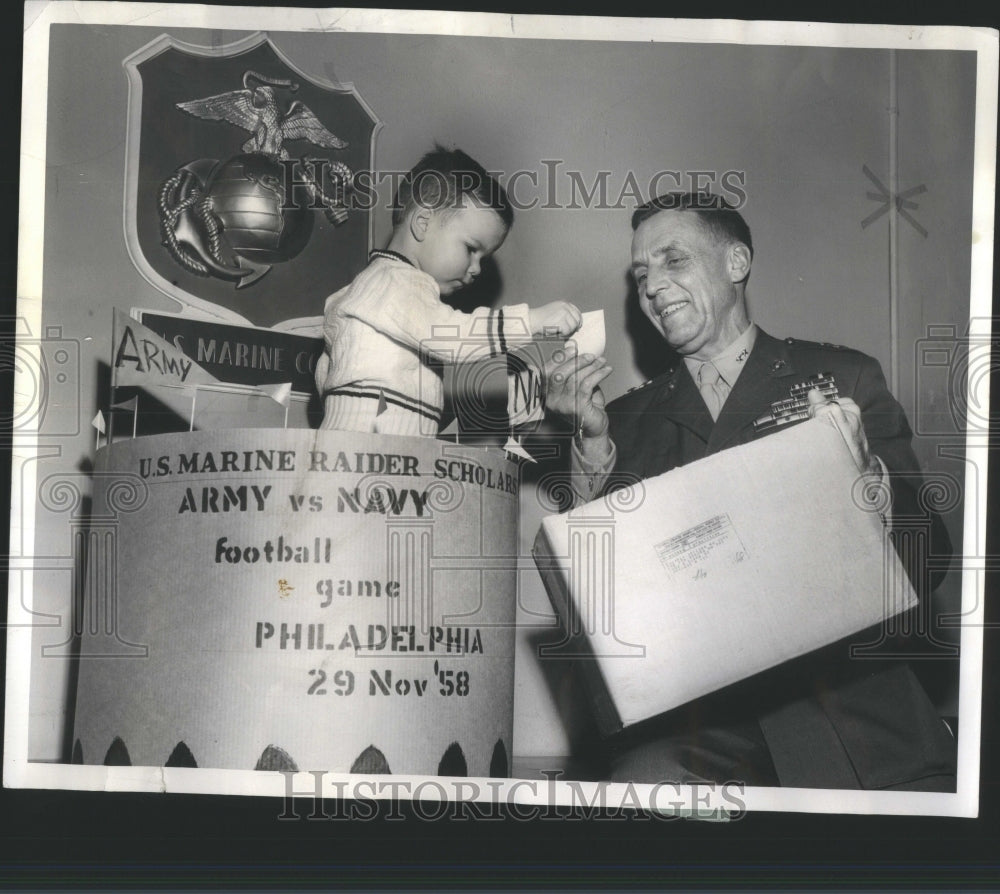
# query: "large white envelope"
(708, 574)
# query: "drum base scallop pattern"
(370, 762)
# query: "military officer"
(824, 721)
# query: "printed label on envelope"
(699, 548)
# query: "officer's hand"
(845, 415)
(572, 389)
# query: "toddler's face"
(456, 243)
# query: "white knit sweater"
(378, 331)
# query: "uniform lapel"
(679, 401)
(766, 378)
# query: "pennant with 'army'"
(143, 358)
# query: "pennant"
(133, 406)
(525, 401)
(278, 393)
(382, 405)
(141, 357)
(99, 424)
(514, 448)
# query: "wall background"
(799, 122)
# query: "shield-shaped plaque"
(243, 195)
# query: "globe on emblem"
(248, 198)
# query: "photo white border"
(18, 772)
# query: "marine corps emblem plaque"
(242, 181)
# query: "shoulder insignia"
(802, 343)
(637, 387)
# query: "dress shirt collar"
(731, 361)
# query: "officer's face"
(687, 282)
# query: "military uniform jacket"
(831, 721)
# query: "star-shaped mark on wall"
(901, 200)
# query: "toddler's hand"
(558, 318)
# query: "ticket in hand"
(590, 337)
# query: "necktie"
(714, 389)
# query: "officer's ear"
(738, 261)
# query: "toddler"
(382, 328)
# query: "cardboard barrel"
(299, 600)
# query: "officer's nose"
(655, 284)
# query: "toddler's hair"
(442, 178)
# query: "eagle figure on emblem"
(256, 110)
(234, 219)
